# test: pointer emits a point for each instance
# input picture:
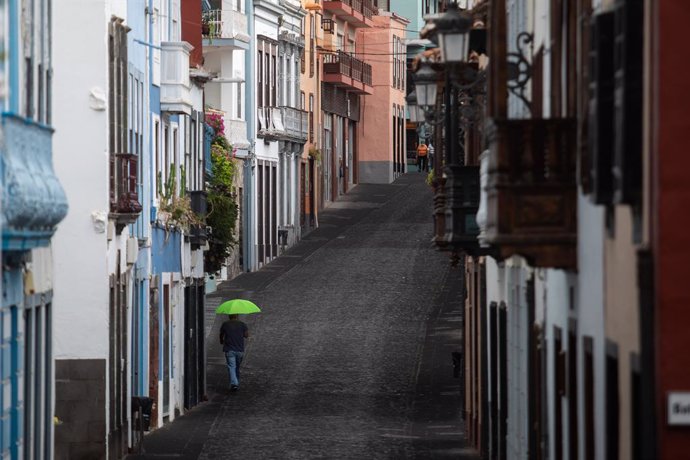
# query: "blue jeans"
(234, 359)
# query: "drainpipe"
(248, 222)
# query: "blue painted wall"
(166, 251)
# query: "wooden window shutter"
(601, 107)
(628, 56)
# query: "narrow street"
(351, 356)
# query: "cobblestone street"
(351, 356)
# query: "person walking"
(431, 156)
(232, 335)
(422, 153)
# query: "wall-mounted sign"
(678, 410)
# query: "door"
(350, 152)
(303, 196)
(312, 194)
(165, 326)
(154, 347)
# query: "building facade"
(567, 324)
(381, 133)
(33, 203)
(346, 77)
(133, 329)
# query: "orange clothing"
(422, 150)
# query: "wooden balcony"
(359, 13)
(341, 69)
(531, 207)
(124, 194)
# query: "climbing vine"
(222, 202)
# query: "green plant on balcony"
(175, 208)
(315, 154)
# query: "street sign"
(678, 410)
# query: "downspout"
(146, 298)
(13, 52)
(247, 224)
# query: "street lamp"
(426, 86)
(413, 108)
(452, 32)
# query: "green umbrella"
(237, 307)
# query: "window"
(166, 155)
(239, 101)
(156, 154)
(312, 45)
(612, 401)
(123, 171)
(176, 163)
(37, 380)
(589, 422)
(260, 78)
(395, 62)
(273, 76)
(311, 117)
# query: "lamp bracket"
(519, 68)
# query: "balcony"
(341, 69)
(236, 132)
(198, 234)
(530, 194)
(34, 202)
(225, 29)
(283, 123)
(293, 39)
(359, 13)
(176, 94)
(296, 124)
(124, 194)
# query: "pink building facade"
(381, 132)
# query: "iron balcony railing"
(345, 64)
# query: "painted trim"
(13, 51)
(232, 43)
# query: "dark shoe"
(234, 388)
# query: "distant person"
(422, 157)
(431, 155)
(232, 335)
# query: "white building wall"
(590, 306)
(80, 149)
(555, 289)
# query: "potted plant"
(315, 154)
